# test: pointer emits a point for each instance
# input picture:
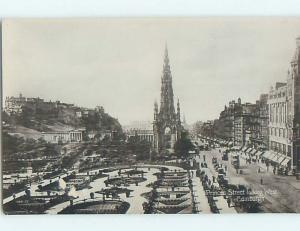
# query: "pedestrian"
(261, 181)
(206, 178)
(228, 202)
(286, 171)
(258, 170)
(225, 168)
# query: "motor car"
(214, 160)
(216, 166)
(225, 156)
(221, 171)
(222, 180)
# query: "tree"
(183, 145)
(141, 148)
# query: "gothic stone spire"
(167, 109)
(166, 124)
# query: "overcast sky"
(117, 63)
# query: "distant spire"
(178, 110)
(166, 48)
(296, 57)
(155, 106)
(155, 110)
(166, 60)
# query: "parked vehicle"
(221, 171)
(235, 161)
(222, 180)
(225, 156)
(214, 160)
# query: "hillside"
(60, 119)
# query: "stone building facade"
(284, 115)
(244, 123)
(14, 105)
(278, 131)
(73, 136)
(141, 134)
(263, 120)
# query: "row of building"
(16, 105)
(243, 123)
(272, 123)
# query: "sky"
(117, 62)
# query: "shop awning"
(244, 149)
(249, 150)
(273, 157)
(253, 151)
(280, 158)
(285, 161)
(259, 153)
(236, 148)
(267, 154)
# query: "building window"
(280, 147)
(273, 145)
(272, 131)
(284, 149)
(289, 151)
